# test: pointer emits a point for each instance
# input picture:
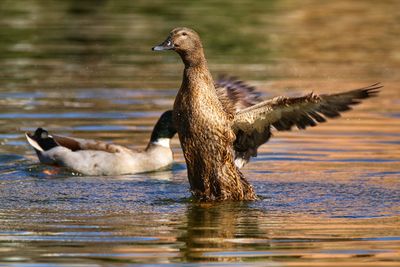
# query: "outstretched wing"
(283, 112)
(252, 125)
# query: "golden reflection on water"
(328, 195)
(216, 233)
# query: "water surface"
(328, 195)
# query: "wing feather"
(235, 94)
(76, 144)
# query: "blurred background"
(70, 44)
(85, 68)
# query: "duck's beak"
(166, 45)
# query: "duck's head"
(182, 40)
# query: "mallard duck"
(210, 131)
(90, 157)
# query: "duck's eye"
(184, 33)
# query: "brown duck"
(210, 129)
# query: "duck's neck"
(164, 142)
(196, 74)
(161, 136)
(163, 131)
(194, 59)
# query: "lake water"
(329, 196)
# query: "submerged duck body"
(209, 130)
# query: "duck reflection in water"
(215, 227)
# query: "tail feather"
(40, 140)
